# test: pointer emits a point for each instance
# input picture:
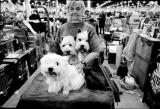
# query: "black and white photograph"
(80, 54)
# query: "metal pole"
(27, 8)
(57, 8)
(138, 6)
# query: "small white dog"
(67, 45)
(60, 74)
(82, 45)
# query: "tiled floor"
(129, 99)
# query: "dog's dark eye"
(79, 39)
(57, 63)
(70, 44)
(63, 45)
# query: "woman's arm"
(91, 57)
(95, 46)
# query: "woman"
(102, 19)
(75, 12)
(87, 16)
(75, 22)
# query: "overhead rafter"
(109, 2)
(102, 4)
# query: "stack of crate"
(7, 82)
(147, 50)
(15, 70)
(38, 42)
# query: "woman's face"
(75, 13)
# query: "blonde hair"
(74, 2)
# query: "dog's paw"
(65, 92)
(50, 90)
(56, 91)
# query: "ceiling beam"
(102, 4)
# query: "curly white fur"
(67, 45)
(82, 41)
(82, 44)
(66, 77)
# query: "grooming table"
(38, 96)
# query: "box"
(115, 52)
(111, 58)
(112, 53)
(140, 69)
(156, 33)
(146, 52)
(32, 60)
(21, 33)
(6, 82)
(18, 61)
(107, 36)
(7, 46)
(147, 47)
(36, 40)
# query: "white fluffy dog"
(60, 75)
(67, 45)
(82, 45)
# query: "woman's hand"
(80, 67)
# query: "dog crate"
(20, 36)
(32, 60)
(7, 46)
(146, 53)
(19, 64)
(19, 67)
(38, 42)
(107, 36)
(147, 48)
(6, 82)
(140, 69)
(21, 32)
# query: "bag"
(122, 70)
(95, 79)
(98, 78)
(155, 80)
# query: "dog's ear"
(79, 30)
(41, 59)
(75, 37)
(62, 37)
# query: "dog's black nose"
(82, 46)
(68, 52)
(50, 69)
